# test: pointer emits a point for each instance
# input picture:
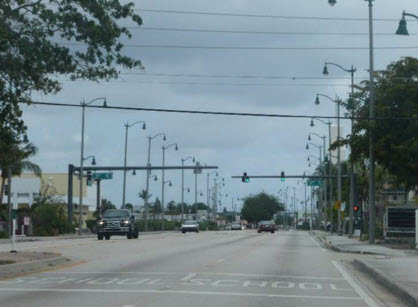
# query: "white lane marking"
(369, 301)
(129, 306)
(220, 260)
(182, 292)
(201, 273)
(317, 244)
(188, 277)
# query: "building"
(27, 187)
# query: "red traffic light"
(356, 208)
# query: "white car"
(190, 226)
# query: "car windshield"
(265, 223)
(190, 223)
(116, 214)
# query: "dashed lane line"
(182, 292)
(369, 301)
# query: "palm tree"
(16, 159)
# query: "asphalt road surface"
(240, 268)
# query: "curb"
(388, 282)
(23, 268)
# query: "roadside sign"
(337, 205)
(26, 220)
(342, 207)
(102, 176)
(315, 183)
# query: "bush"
(155, 225)
(208, 226)
(50, 220)
(3, 235)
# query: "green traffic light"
(282, 179)
(247, 179)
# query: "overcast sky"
(259, 146)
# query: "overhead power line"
(227, 14)
(214, 112)
(253, 48)
(261, 32)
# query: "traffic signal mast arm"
(291, 177)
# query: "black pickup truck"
(118, 222)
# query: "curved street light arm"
(171, 145)
(338, 101)
(153, 137)
(312, 156)
(352, 70)
(313, 133)
(314, 145)
(322, 121)
(185, 159)
(133, 124)
(86, 158)
(90, 102)
(409, 14)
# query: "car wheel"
(135, 234)
(183, 231)
(259, 231)
(129, 235)
(107, 237)
(272, 231)
(197, 231)
(99, 237)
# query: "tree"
(42, 39)
(156, 206)
(396, 143)
(107, 205)
(261, 206)
(129, 206)
(17, 159)
(171, 208)
(199, 206)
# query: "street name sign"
(102, 176)
(315, 183)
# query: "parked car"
(190, 226)
(118, 222)
(267, 226)
(236, 226)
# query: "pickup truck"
(119, 222)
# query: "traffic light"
(89, 182)
(356, 208)
(245, 178)
(6, 189)
(282, 177)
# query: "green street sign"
(102, 176)
(315, 183)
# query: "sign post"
(416, 229)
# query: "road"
(239, 268)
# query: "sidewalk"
(346, 245)
(395, 269)
(33, 239)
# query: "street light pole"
(372, 208)
(207, 189)
(182, 186)
(127, 126)
(84, 105)
(163, 183)
(148, 177)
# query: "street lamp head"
(308, 159)
(317, 102)
(169, 184)
(332, 2)
(326, 159)
(164, 138)
(201, 194)
(133, 172)
(93, 162)
(312, 123)
(176, 148)
(25, 138)
(104, 103)
(325, 71)
(402, 29)
(144, 126)
(155, 178)
(188, 190)
(309, 137)
(193, 160)
(307, 146)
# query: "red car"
(266, 226)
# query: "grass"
(3, 262)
